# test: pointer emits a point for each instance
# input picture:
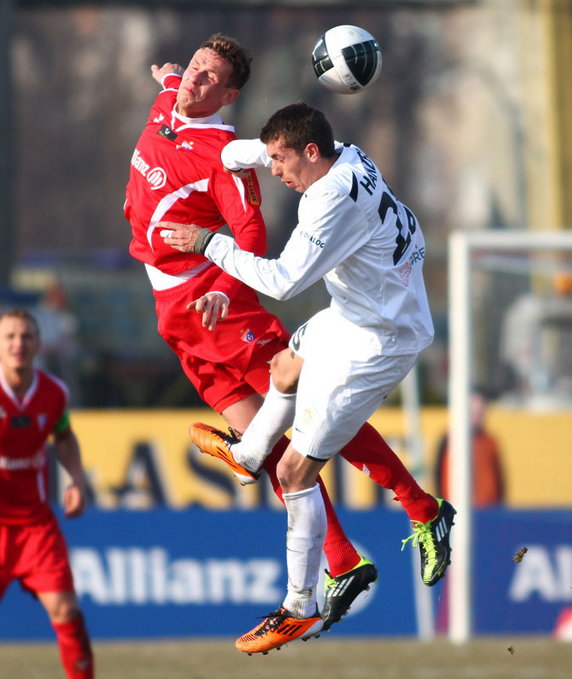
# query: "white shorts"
(344, 380)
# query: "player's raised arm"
(168, 68)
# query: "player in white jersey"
(369, 249)
(353, 232)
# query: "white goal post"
(462, 248)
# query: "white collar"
(213, 119)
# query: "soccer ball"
(346, 59)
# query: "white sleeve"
(278, 278)
(241, 154)
(316, 246)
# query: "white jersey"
(352, 232)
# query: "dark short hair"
(22, 314)
(237, 55)
(299, 125)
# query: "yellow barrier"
(141, 458)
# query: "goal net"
(510, 329)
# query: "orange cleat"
(277, 629)
(216, 443)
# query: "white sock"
(273, 419)
(304, 541)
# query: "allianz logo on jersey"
(156, 176)
(544, 573)
(150, 576)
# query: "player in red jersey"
(177, 176)
(33, 407)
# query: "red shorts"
(231, 362)
(37, 556)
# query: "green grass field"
(491, 658)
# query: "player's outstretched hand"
(182, 237)
(75, 501)
(213, 306)
(159, 73)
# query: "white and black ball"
(346, 59)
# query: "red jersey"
(177, 175)
(25, 426)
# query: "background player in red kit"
(33, 407)
(177, 176)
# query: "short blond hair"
(22, 314)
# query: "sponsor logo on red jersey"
(156, 176)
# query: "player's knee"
(69, 612)
(285, 476)
(290, 477)
(63, 609)
(284, 372)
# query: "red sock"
(75, 648)
(340, 554)
(369, 453)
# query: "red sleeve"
(172, 81)
(239, 202)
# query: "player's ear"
(230, 96)
(312, 152)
